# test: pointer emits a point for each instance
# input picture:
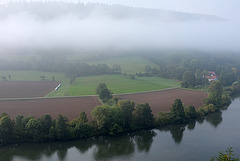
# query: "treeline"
(191, 67)
(108, 120)
(51, 63)
(112, 118)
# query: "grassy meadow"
(119, 84)
(129, 64)
(87, 85)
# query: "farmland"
(26, 89)
(35, 76)
(72, 106)
(119, 84)
(87, 85)
(129, 64)
(153, 89)
(161, 101)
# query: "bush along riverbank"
(112, 118)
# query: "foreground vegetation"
(225, 156)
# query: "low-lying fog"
(32, 26)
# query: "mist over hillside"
(51, 10)
(60, 27)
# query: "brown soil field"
(26, 89)
(72, 106)
(161, 101)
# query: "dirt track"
(26, 89)
(71, 107)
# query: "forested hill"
(50, 10)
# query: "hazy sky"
(25, 30)
(224, 8)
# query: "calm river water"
(196, 141)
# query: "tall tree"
(143, 117)
(109, 119)
(215, 90)
(61, 128)
(33, 129)
(190, 112)
(103, 92)
(6, 128)
(127, 108)
(19, 127)
(177, 112)
(46, 123)
(189, 79)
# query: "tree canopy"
(103, 92)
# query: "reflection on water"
(144, 140)
(175, 130)
(214, 118)
(113, 147)
(191, 125)
(104, 148)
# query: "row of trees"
(111, 120)
(53, 63)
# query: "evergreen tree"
(61, 128)
(177, 112)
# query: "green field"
(119, 84)
(87, 85)
(129, 64)
(35, 76)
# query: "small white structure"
(57, 87)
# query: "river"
(199, 140)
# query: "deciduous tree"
(6, 128)
(103, 92)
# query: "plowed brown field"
(26, 89)
(72, 106)
(163, 100)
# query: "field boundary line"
(39, 98)
(147, 91)
(59, 97)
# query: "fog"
(95, 27)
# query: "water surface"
(199, 140)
